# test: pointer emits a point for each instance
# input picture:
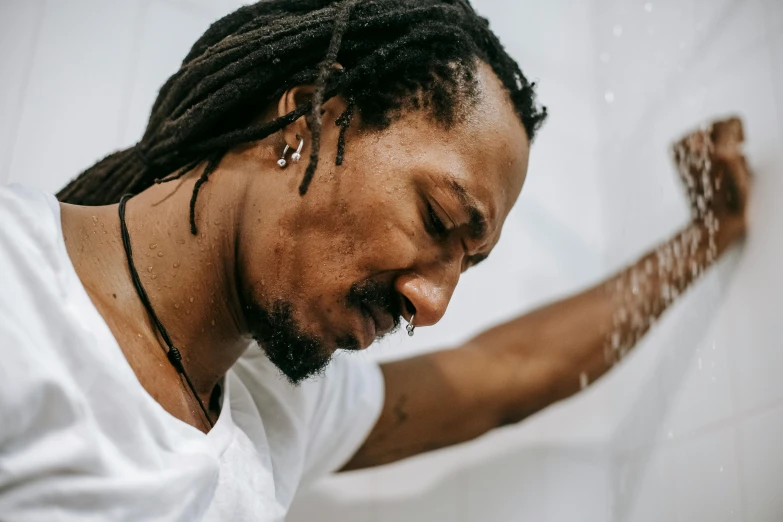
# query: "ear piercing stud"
(295, 157)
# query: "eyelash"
(435, 225)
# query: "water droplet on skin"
(176, 265)
(153, 246)
(176, 306)
(191, 299)
(94, 219)
(160, 254)
(281, 232)
(154, 276)
(149, 269)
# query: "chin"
(296, 353)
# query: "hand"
(716, 177)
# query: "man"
(314, 172)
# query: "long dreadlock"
(395, 55)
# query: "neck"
(190, 280)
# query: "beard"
(300, 355)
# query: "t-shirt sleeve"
(349, 401)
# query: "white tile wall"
(76, 89)
(761, 463)
(578, 485)
(706, 447)
(774, 14)
(705, 477)
(167, 31)
(622, 79)
(642, 488)
(510, 487)
(20, 22)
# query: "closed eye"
(434, 224)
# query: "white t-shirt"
(80, 438)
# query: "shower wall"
(688, 428)
(701, 417)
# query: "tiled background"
(689, 428)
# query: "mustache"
(376, 294)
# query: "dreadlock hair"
(396, 55)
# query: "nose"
(429, 292)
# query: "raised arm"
(520, 367)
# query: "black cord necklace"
(173, 355)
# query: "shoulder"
(32, 305)
(32, 259)
(30, 236)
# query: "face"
(385, 235)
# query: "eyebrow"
(477, 221)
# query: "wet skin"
(411, 208)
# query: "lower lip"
(369, 327)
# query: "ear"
(330, 111)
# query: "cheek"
(329, 250)
(353, 224)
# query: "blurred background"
(689, 427)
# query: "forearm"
(560, 348)
(520, 367)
